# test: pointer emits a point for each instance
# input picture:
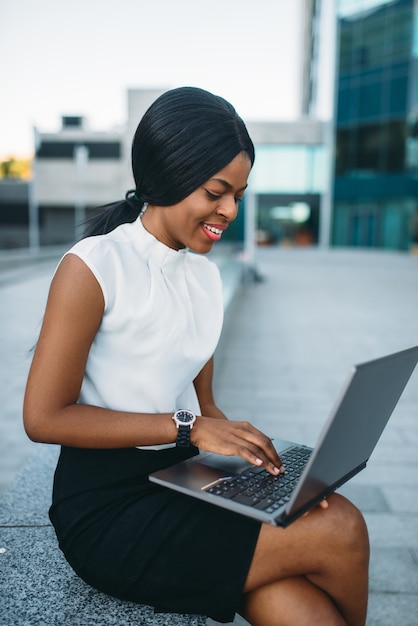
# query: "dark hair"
(186, 136)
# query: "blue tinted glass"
(370, 100)
(289, 169)
(398, 95)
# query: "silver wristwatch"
(184, 420)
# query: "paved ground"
(23, 295)
(287, 352)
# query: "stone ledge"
(40, 588)
(38, 585)
(27, 500)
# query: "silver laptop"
(343, 449)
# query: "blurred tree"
(16, 168)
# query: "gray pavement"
(23, 293)
(288, 347)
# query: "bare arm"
(51, 414)
(203, 386)
(228, 437)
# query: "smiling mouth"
(212, 232)
(213, 229)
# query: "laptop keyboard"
(257, 488)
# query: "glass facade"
(289, 169)
(289, 181)
(376, 155)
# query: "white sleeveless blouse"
(162, 321)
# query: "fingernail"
(258, 462)
(282, 469)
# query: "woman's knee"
(320, 541)
(349, 527)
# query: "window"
(65, 149)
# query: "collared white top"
(162, 320)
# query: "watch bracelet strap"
(183, 437)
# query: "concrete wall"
(59, 182)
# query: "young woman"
(131, 324)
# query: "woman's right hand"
(233, 438)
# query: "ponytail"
(113, 215)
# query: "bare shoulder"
(73, 268)
(73, 279)
(75, 301)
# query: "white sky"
(63, 57)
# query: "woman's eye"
(213, 196)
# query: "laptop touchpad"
(230, 464)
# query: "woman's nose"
(228, 208)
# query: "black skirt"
(140, 542)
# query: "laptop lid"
(354, 427)
(343, 449)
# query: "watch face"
(185, 417)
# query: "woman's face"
(198, 221)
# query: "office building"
(74, 169)
(77, 170)
(376, 149)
